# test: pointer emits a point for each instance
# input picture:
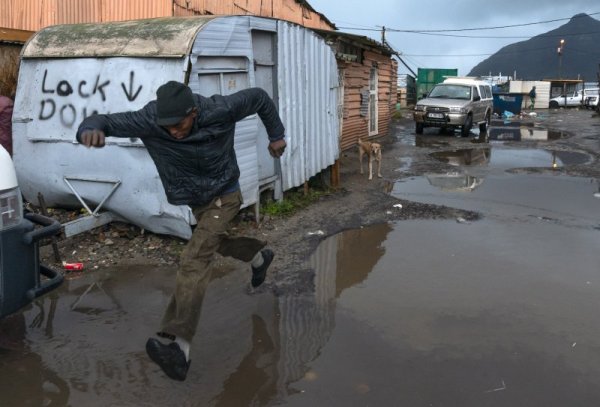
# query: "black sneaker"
(170, 358)
(259, 273)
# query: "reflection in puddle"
(464, 315)
(85, 340)
(461, 313)
(510, 158)
(568, 200)
(405, 164)
(523, 133)
(470, 156)
(454, 181)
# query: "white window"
(373, 102)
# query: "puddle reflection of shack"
(465, 157)
(340, 262)
(454, 181)
(509, 131)
(69, 72)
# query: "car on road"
(457, 103)
(573, 99)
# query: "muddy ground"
(356, 202)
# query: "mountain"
(537, 58)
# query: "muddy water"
(561, 199)
(416, 313)
(498, 158)
(497, 312)
(516, 132)
(83, 343)
(475, 314)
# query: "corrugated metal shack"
(69, 71)
(34, 15)
(368, 75)
(363, 111)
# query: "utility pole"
(394, 52)
(561, 45)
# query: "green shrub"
(292, 201)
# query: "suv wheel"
(466, 128)
(483, 126)
(419, 128)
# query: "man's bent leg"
(183, 312)
(246, 249)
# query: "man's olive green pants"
(210, 236)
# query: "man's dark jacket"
(202, 166)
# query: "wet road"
(496, 312)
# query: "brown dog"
(373, 152)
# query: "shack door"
(263, 48)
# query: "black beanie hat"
(174, 101)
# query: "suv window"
(443, 91)
(482, 92)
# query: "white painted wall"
(542, 90)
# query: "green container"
(427, 78)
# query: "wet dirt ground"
(466, 276)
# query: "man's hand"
(92, 138)
(277, 147)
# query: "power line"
(469, 29)
(502, 36)
(504, 52)
(500, 26)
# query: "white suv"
(456, 103)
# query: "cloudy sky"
(444, 51)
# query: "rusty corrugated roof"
(359, 40)
(310, 8)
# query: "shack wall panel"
(230, 37)
(224, 37)
(356, 82)
(34, 15)
(355, 125)
(119, 10)
(307, 88)
(76, 11)
(21, 14)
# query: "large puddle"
(448, 314)
(417, 313)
